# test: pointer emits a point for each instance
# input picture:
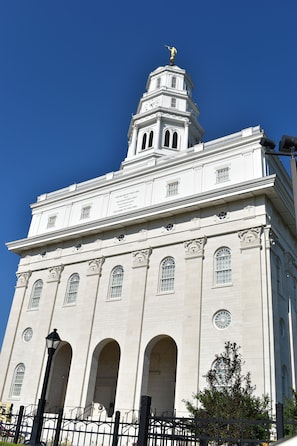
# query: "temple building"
(146, 272)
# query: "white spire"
(166, 119)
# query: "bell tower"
(165, 123)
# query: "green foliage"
(229, 399)
(290, 414)
(5, 443)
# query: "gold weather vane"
(173, 52)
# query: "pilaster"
(188, 371)
(10, 335)
(254, 295)
(83, 358)
(130, 373)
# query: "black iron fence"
(145, 429)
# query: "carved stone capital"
(95, 266)
(54, 273)
(250, 238)
(141, 258)
(22, 279)
(195, 248)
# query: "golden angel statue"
(173, 52)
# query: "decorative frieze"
(54, 273)
(95, 266)
(195, 248)
(250, 238)
(141, 258)
(22, 279)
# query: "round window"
(222, 319)
(27, 334)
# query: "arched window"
(220, 369)
(72, 289)
(17, 381)
(147, 140)
(116, 282)
(35, 294)
(173, 82)
(166, 139)
(174, 140)
(151, 136)
(170, 138)
(143, 142)
(167, 273)
(223, 272)
(158, 82)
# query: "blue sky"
(72, 73)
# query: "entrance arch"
(159, 373)
(59, 378)
(104, 375)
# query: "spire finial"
(173, 52)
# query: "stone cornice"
(261, 186)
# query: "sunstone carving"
(250, 238)
(22, 279)
(95, 266)
(54, 273)
(195, 247)
(141, 258)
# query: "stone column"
(188, 367)
(130, 372)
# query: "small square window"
(172, 189)
(51, 222)
(222, 175)
(85, 212)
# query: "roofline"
(269, 186)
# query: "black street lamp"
(287, 147)
(52, 342)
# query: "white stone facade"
(146, 272)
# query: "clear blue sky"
(72, 72)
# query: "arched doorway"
(59, 378)
(104, 375)
(159, 373)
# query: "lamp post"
(52, 342)
(287, 147)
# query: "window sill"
(223, 285)
(162, 293)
